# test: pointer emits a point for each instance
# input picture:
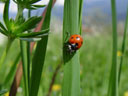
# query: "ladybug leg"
(71, 48)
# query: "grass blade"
(113, 80)
(123, 46)
(71, 80)
(80, 15)
(29, 55)
(39, 56)
(23, 46)
(12, 71)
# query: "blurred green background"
(95, 54)
(95, 60)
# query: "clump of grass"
(21, 29)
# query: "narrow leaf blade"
(31, 39)
(123, 46)
(71, 79)
(6, 15)
(2, 26)
(33, 34)
(39, 56)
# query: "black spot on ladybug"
(76, 44)
(72, 38)
(77, 38)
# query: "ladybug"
(74, 43)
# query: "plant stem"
(123, 46)
(19, 13)
(113, 80)
(28, 54)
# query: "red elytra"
(76, 39)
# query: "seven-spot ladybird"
(74, 43)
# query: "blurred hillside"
(96, 15)
(91, 7)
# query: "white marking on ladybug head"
(77, 38)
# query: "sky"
(13, 7)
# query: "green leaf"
(23, 46)
(15, 1)
(38, 6)
(19, 0)
(39, 56)
(3, 32)
(80, 15)
(34, 7)
(31, 39)
(71, 79)
(6, 14)
(20, 21)
(29, 24)
(2, 26)
(33, 1)
(3, 91)
(113, 79)
(3, 1)
(33, 34)
(31, 7)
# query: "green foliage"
(21, 29)
(28, 25)
(33, 34)
(29, 4)
(39, 56)
(16, 27)
(123, 46)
